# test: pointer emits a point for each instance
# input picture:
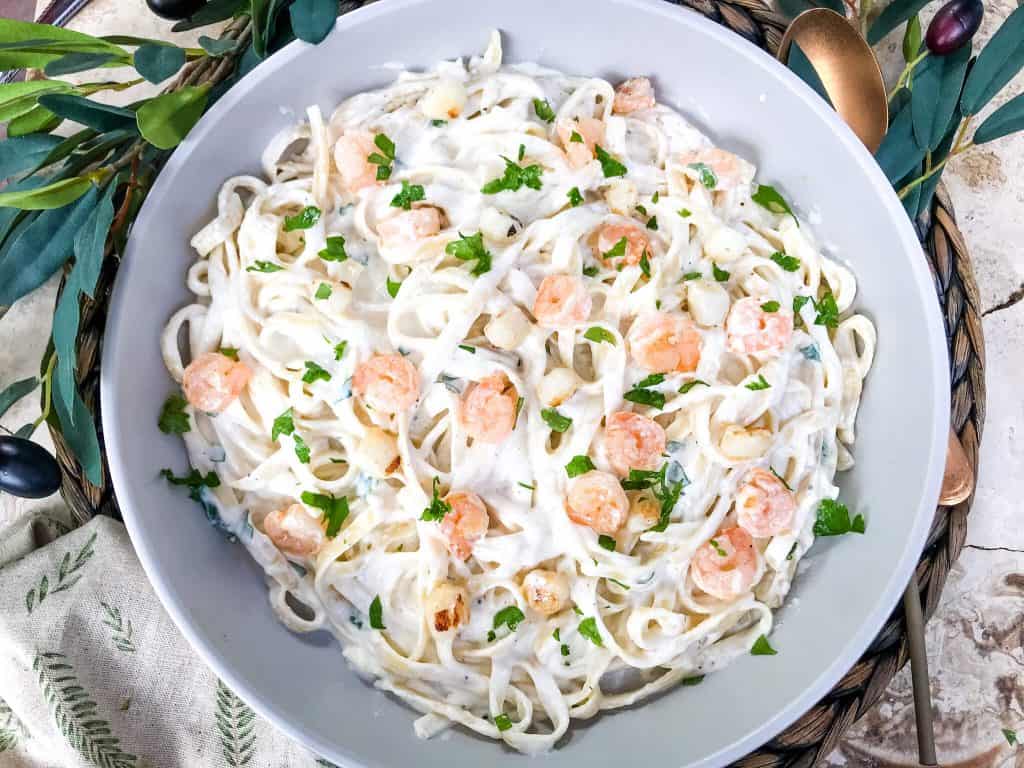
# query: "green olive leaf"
(77, 426)
(92, 114)
(18, 98)
(260, 13)
(899, 152)
(939, 154)
(313, 20)
(59, 40)
(996, 65)
(77, 62)
(793, 8)
(219, 47)
(167, 119)
(912, 200)
(55, 195)
(36, 120)
(912, 39)
(894, 14)
(157, 62)
(798, 62)
(212, 12)
(14, 392)
(1008, 119)
(937, 84)
(25, 153)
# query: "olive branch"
(236, 723)
(67, 576)
(11, 728)
(75, 713)
(122, 628)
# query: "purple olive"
(27, 469)
(954, 24)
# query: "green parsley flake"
(301, 449)
(799, 302)
(502, 722)
(335, 509)
(335, 250)
(195, 481)
(522, 152)
(705, 174)
(557, 635)
(305, 219)
(231, 352)
(323, 291)
(762, 647)
(438, 507)
(564, 650)
(833, 519)
(651, 381)
(314, 372)
(645, 265)
(655, 197)
(575, 138)
(471, 248)
(779, 477)
(438, 123)
(646, 397)
(339, 350)
(720, 274)
(691, 384)
(283, 425)
(544, 110)
(761, 383)
(514, 178)
(788, 263)
(792, 551)
(467, 348)
(392, 286)
(652, 223)
(588, 628)
(1010, 736)
(509, 616)
(527, 486)
(265, 267)
(768, 197)
(828, 311)
(377, 614)
(606, 542)
(770, 306)
(591, 271)
(597, 334)
(665, 490)
(641, 210)
(173, 419)
(684, 212)
(609, 165)
(579, 465)
(692, 276)
(616, 251)
(384, 159)
(555, 420)
(718, 548)
(575, 198)
(411, 193)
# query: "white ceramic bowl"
(747, 103)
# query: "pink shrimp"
(562, 300)
(661, 342)
(350, 157)
(387, 383)
(726, 566)
(489, 409)
(764, 505)
(636, 244)
(579, 137)
(597, 500)
(633, 95)
(633, 441)
(409, 226)
(729, 170)
(465, 524)
(547, 592)
(213, 381)
(751, 330)
(294, 531)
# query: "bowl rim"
(222, 665)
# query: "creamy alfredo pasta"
(521, 388)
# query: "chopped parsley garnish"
(684, 212)
(788, 263)
(828, 311)
(283, 425)
(564, 649)
(616, 251)
(515, 177)
(173, 419)
(652, 223)
(467, 348)
(301, 449)
(692, 276)
(377, 614)
(645, 265)
(591, 271)
(575, 138)
(761, 383)
(304, 219)
(471, 248)
(606, 542)
(522, 153)
(799, 302)
(265, 267)
(194, 480)
(438, 507)
(314, 372)
(768, 197)
(544, 110)
(411, 193)
(575, 198)
(579, 465)
(576, 610)
(779, 477)
(645, 397)
(438, 123)
(609, 165)
(705, 174)
(833, 519)
(231, 352)
(384, 158)
(617, 583)
(323, 291)
(641, 210)
(653, 380)
(555, 420)
(339, 350)
(655, 197)
(335, 250)
(527, 486)
(502, 722)
(770, 306)
(519, 408)
(718, 548)
(392, 286)
(335, 511)
(509, 616)
(597, 334)
(720, 274)
(762, 647)
(664, 489)
(1010, 736)
(695, 680)
(557, 635)
(792, 551)
(691, 384)
(588, 628)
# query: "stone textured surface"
(976, 640)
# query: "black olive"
(954, 24)
(27, 469)
(175, 10)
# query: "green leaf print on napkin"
(122, 628)
(75, 713)
(11, 729)
(236, 723)
(67, 576)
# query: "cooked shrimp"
(750, 330)
(387, 383)
(547, 592)
(730, 170)
(409, 226)
(465, 524)
(661, 342)
(562, 300)
(489, 409)
(726, 566)
(448, 606)
(597, 500)
(579, 138)
(294, 531)
(636, 244)
(764, 505)
(633, 441)
(213, 381)
(633, 95)
(350, 157)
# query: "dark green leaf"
(165, 120)
(76, 424)
(762, 647)
(768, 197)
(471, 248)
(509, 616)
(377, 614)
(301, 449)
(335, 250)
(610, 167)
(828, 311)
(25, 153)
(912, 200)
(588, 628)
(937, 84)
(173, 419)
(833, 519)
(597, 334)
(1000, 59)
(801, 66)
(213, 11)
(760, 383)
(335, 509)
(720, 274)
(502, 722)
(218, 47)
(793, 8)
(894, 14)
(409, 194)
(578, 465)
(438, 507)
(788, 263)
(1010, 736)
(315, 372)
(283, 425)
(695, 680)
(392, 286)
(647, 397)
(14, 33)
(37, 120)
(544, 110)
(304, 219)
(706, 174)
(606, 542)
(55, 195)
(18, 98)
(14, 392)
(555, 420)
(76, 62)
(899, 152)
(912, 39)
(101, 117)
(313, 20)
(265, 267)
(1008, 119)
(651, 381)
(514, 178)
(260, 11)
(690, 385)
(770, 306)
(157, 62)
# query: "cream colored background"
(975, 640)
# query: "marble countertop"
(976, 638)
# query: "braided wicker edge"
(809, 740)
